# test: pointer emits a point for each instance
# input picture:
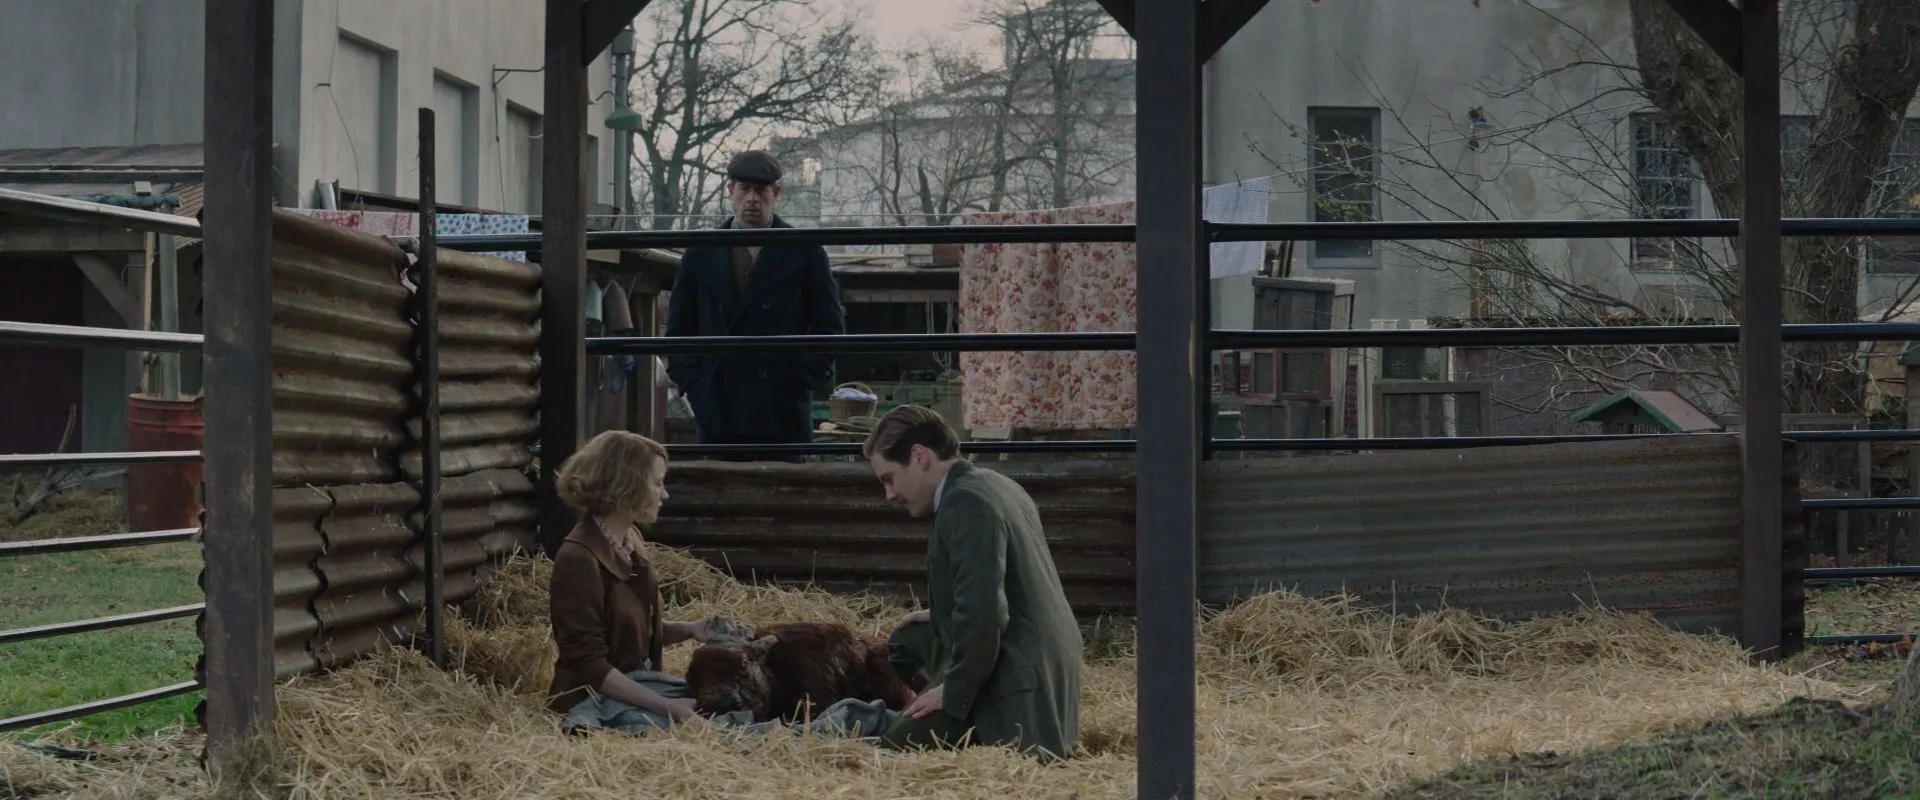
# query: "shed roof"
(1669, 409)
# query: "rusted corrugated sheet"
(359, 546)
(346, 540)
(340, 354)
(830, 524)
(1650, 525)
(489, 362)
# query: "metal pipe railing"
(1218, 232)
(77, 544)
(90, 708)
(1545, 229)
(12, 461)
(34, 333)
(1862, 638)
(100, 623)
(1860, 573)
(1862, 503)
(1273, 445)
(1221, 339)
(33, 204)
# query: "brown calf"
(791, 669)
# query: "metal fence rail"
(1215, 232)
(88, 709)
(80, 544)
(15, 334)
(100, 623)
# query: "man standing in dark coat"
(781, 290)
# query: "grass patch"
(1807, 748)
(60, 671)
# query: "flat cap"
(754, 166)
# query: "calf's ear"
(760, 646)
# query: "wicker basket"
(841, 410)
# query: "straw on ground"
(1297, 697)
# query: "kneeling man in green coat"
(998, 645)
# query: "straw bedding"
(1298, 697)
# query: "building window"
(1345, 164)
(456, 140)
(1665, 186)
(360, 147)
(520, 178)
(1896, 195)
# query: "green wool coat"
(1008, 644)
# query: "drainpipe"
(623, 149)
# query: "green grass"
(50, 673)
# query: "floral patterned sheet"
(1046, 288)
(400, 223)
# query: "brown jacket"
(604, 616)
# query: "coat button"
(766, 306)
(763, 373)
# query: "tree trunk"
(1870, 83)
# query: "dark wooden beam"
(1173, 391)
(1763, 461)
(601, 21)
(1220, 20)
(1122, 12)
(106, 279)
(237, 542)
(1716, 22)
(563, 258)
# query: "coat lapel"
(587, 534)
(772, 266)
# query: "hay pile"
(1298, 697)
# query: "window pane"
(1343, 169)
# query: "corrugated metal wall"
(1650, 525)
(347, 555)
(830, 524)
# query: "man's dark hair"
(896, 433)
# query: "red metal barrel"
(163, 496)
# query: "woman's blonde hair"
(610, 474)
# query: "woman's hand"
(681, 710)
(911, 617)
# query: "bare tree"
(1050, 126)
(711, 75)
(1856, 64)
(933, 151)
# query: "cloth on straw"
(848, 718)
(1245, 202)
(1036, 288)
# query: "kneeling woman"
(604, 599)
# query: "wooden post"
(238, 354)
(563, 258)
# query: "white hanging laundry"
(1244, 202)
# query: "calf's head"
(730, 676)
